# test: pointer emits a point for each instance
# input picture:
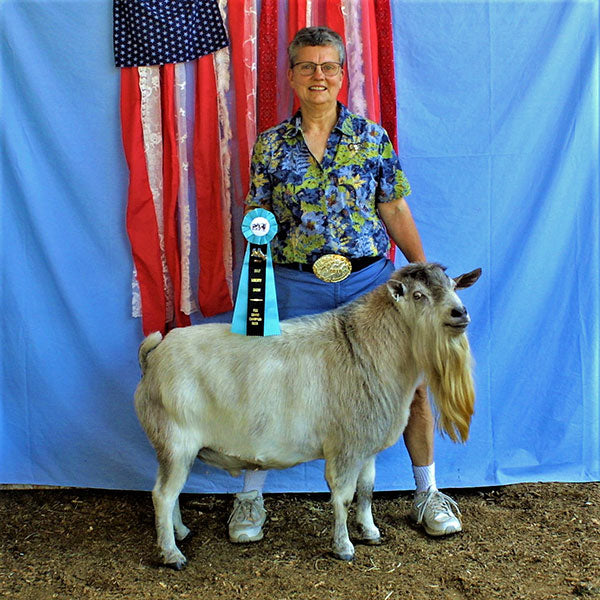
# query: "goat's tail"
(146, 347)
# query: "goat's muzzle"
(459, 320)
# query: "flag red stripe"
(213, 292)
(142, 227)
(369, 38)
(267, 65)
(236, 35)
(387, 79)
(296, 18)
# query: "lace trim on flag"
(153, 148)
(354, 61)
(188, 303)
(136, 295)
(250, 78)
(222, 61)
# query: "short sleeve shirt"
(329, 207)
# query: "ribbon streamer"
(255, 311)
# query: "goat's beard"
(447, 363)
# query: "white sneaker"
(247, 518)
(434, 511)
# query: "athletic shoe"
(434, 511)
(247, 518)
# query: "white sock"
(425, 477)
(254, 480)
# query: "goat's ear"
(467, 279)
(397, 289)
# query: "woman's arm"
(401, 228)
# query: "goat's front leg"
(341, 475)
(369, 533)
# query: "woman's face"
(316, 89)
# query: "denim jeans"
(303, 293)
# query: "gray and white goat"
(336, 386)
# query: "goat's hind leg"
(173, 470)
(368, 532)
(181, 531)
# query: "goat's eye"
(417, 295)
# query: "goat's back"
(275, 400)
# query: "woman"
(336, 188)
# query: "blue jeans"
(303, 293)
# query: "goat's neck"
(386, 336)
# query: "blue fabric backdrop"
(499, 135)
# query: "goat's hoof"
(175, 561)
(369, 541)
(347, 556)
(369, 536)
(187, 537)
(177, 565)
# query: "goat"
(337, 386)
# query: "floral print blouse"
(329, 207)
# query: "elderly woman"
(336, 188)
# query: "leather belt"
(333, 267)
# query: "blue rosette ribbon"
(255, 311)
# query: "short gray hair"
(316, 36)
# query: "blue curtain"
(498, 124)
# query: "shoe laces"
(438, 502)
(244, 510)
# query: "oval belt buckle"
(332, 268)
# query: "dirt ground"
(530, 541)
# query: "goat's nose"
(459, 312)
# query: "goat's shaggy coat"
(336, 386)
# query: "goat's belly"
(257, 439)
(235, 461)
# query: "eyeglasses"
(329, 69)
